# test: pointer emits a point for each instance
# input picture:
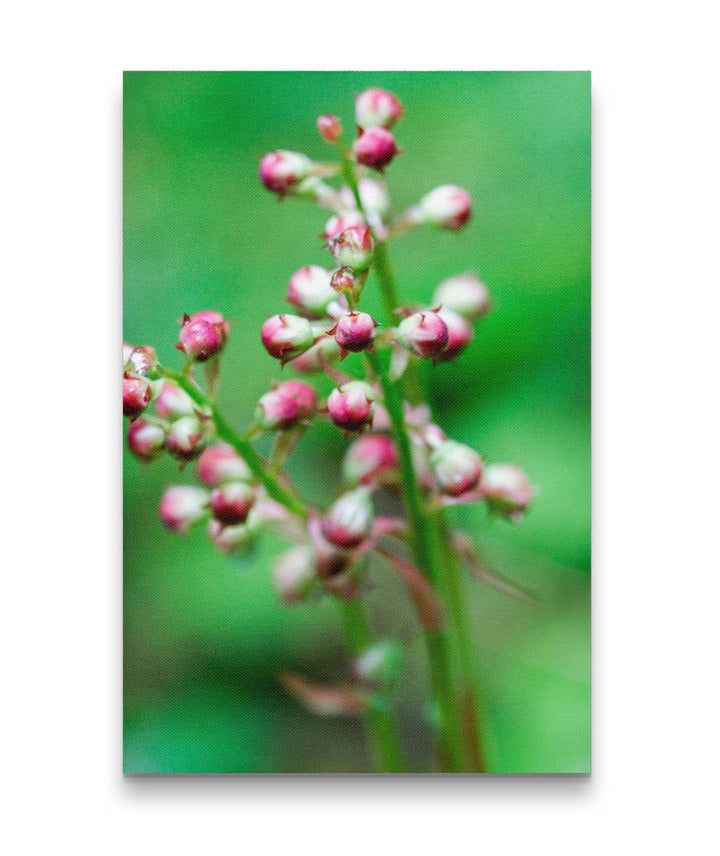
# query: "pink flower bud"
(276, 412)
(217, 319)
(294, 573)
(136, 396)
(353, 248)
(140, 360)
(281, 171)
(303, 394)
(343, 280)
(220, 463)
(340, 222)
(370, 459)
(447, 207)
(507, 490)
(349, 520)
(200, 339)
(355, 331)
(144, 439)
(457, 467)
(329, 127)
(173, 402)
(232, 502)
(309, 290)
(460, 333)
(326, 350)
(377, 108)
(228, 539)
(375, 148)
(185, 438)
(286, 336)
(183, 505)
(423, 333)
(464, 294)
(351, 405)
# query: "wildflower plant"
(393, 443)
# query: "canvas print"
(356, 397)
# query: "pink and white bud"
(447, 207)
(353, 248)
(286, 405)
(185, 438)
(423, 333)
(421, 466)
(309, 290)
(507, 490)
(232, 502)
(200, 339)
(339, 222)
(464, 294)
(173, 402)
(228, 539)
(303, 394)
(349, 519)
(294, 574)
(373, 195)
(144, 439)
(329, 127)
(460, 333)
(326, 351)
(282, 171)
(457, 467)
(219, 464)
(140, 360)
(355, 331)
(433, 435)
(377, 108)
(375, 148)
(371, 459)
(181, 506)
(137, 393)
(285, 336)
(351, 405)
(217, 319)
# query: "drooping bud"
(282, 171)
(447, 207)
(370, 459)
(377, 108)
(457, 467)
(353, 247)
(460, 333)
(140, 360)
(200, 339)
(329, 127)
(464, 294)
(228, 539)
(375, 148)
(294, 573)
(181, 506)
(349, 520)
(423, 333)
(351, 405)
(219, 464)
(507, 490)
(340, 222)
(232, 502)
(173, 402)
(355, 331)
(144, 439)
(137, 393)
(311, 361)
(381, 664)
(185, 438)
(285, 336)
(310, 291)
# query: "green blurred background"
(204, 636)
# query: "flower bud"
(351, 405)
(228, 539)
(507, 490)
(353, 247)
(144, 439)
(380, 664)
(185, 438)
(311, 361)
(217, 319)
(343, 280)
(340, 222)
(294, 573)
(373, 195)
(183, 505)
(355, 331)
(276, 412)
(232, 502)
(329, 127)
(219, 464)
(423, 333)
(447, 207)
(309, 290)
(285, 336)
(173, 402)
(464, 294)
(136, 396)
(281, 171)
(349, 520)
(457, 467)
(140, 360)
(375, 148)
(460, 333)
(377, 108)
(200, 339)
(303, 394)
(371, 458)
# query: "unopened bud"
(232, 502)
(217, 319)
(343, 280)
(423, 333)
(310, 291)
(200, 339)
(340, 222)
(355, 331)
(286, 405)
(370, 459)
(353, 247)
(329, 127)
(312, 361)
(351, 405)
(185, 438)
(282, 171)
(377, 108)
(173, 402)
(460, 333)
(181, 506)
(464, 294)
(447, 207)
(457, 467)
(228, 539)
(144, 439)
(219, 464)
(349, 520)
(137, 393)
(141, 360)
(375, 148)
(507, 490)
(285, 336)
(294, 573)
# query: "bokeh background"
(204, 636)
